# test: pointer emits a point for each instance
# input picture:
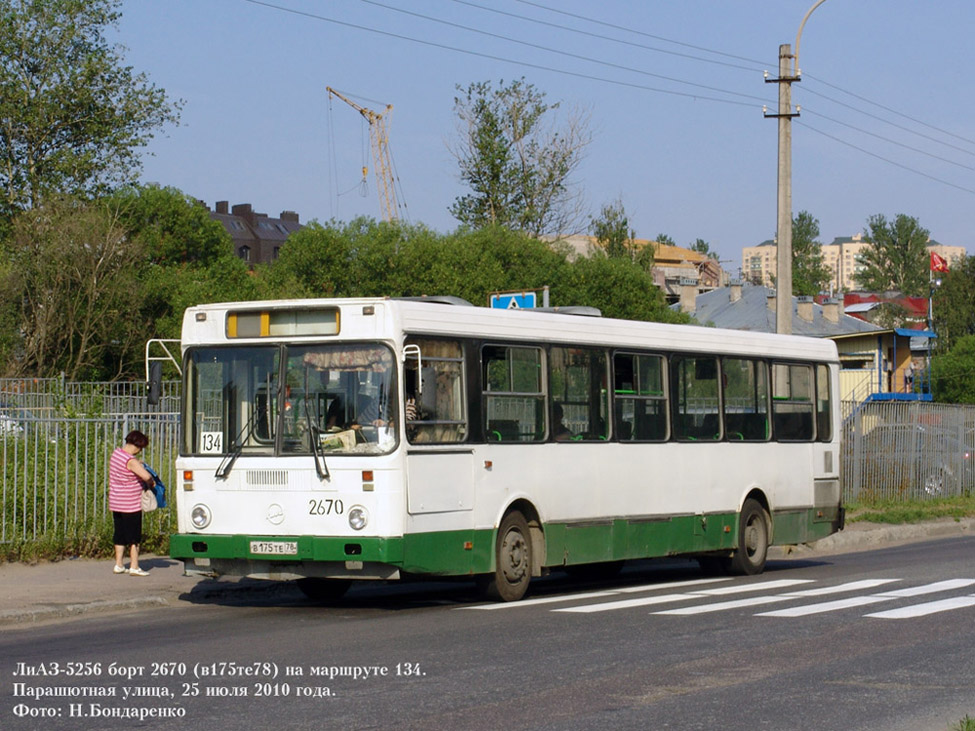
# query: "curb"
(864, 539)
(10, 617)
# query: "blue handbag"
(159, 488)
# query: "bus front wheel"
(753, 537)
(512, 560)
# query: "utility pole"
(783, 236)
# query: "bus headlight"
(358, 517)
(200, 516)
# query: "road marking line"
(594, 594)
(737, 589)
(929, 588)
(870, 599)
(839, 588)
(664, 598)
(856, 601)
(542, 600)
(626, 603)
(920, 610)
(721, 606)
(670, 585)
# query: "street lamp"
(783, 269)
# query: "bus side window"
(512, 379)
(824, 406)
(746, 410)
(640, 397)
(694, 387)
(577, 380)
(792, 402)
(435, 401)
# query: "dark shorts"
(128, 528)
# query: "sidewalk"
(57, 590)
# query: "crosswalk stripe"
(856, 601)
(920, 610)
(665, 598)
(596, 594)
(870, 599)
(642, 601)
(761, 586)
(840, 588)
(671, 585)
(733, 604)
(930, 588)
(542, 600)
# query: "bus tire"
(324, 590)
(512, 561)
(753, 537)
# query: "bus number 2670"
(325, 507)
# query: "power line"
(563, 53)
(889, 109)
(887, 139)
(502, 59)
(885, 121)
(633, 85)
(884, 159)
(762, 64)
(590, 34)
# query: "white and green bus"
(334, 440)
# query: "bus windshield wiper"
(237, 446)
(314, 432)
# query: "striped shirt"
(124, 487)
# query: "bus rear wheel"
(753, 539)
(324, 590)
(512, 561)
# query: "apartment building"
(841, 257)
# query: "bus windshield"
(290, 399)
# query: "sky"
(673, 92)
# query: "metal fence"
(54, 465)
(896, 450)
(54, 473)
(48, 397)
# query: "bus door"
(439, 462)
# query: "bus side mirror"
(154, 387)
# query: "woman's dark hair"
(137, 438)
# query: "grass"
(965, 724)
(910, 511)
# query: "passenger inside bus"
(560, 431)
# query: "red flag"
(938, 264)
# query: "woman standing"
(125, 477)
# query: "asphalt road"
(877, 639)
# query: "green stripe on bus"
(470, 551)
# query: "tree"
(898, 259)
(517, 165)
(74, 276)
(953, 373)
(612, 231)
(72, 116)
(954, 304)
(703, 247)
(810, 275)
(175, 229)
(665, 240)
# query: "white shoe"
(138, 572)
(119, 570)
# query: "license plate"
(275, 548)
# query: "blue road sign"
(513, 301)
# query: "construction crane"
(379, 139)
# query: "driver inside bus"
(367, 413)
